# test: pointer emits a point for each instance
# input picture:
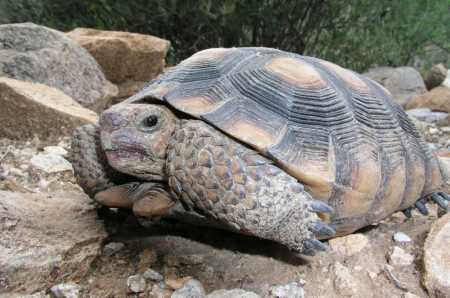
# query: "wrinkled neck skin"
(135, 138)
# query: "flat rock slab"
(46, 239)
(29, 109)
(42, 55)
(437, 99)
(437, 258)
(426, 115)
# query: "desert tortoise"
(263, 142)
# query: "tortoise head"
(135, 138)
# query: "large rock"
(426, 115)
(128, 59)
(443, 157)
(46, 239)
(446, 82)
(29, 109)
(404, 83)
(39, 54)
(437, 258)
(436, 76)
(437, 99)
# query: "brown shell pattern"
(338, 132)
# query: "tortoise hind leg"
(224, 180)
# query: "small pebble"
(234, 293)
(136, 284)
(176, 283)
(191, 289)
(401, 237)
(290, 290)
(152, 275)
(158, 292)
(41, 294)
(433, 130)
(400, 257)
(66, 290)
(51, 163)
(112, 248)
(55, 150)
(16, 172)
(409, 295)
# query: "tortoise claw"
(308, 252)
(407, 212)
(420, 205)
(322, 230)
(445, 196)
(319, 206)
(439, 199)
(312, 246)
(315, 244)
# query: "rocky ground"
(111, 255)
(55, 242)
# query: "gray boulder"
(404, 83)
(42, 55)
(436, 76)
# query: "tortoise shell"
(338, 132)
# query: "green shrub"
(357, 33)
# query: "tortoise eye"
(151, 121)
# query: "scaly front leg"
(224, 180)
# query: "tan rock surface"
(129, 88)
(46, 238)
(444, 162)
(349, 245)
(124, 56)
(438, 99)
(437, 258)
(29, 109)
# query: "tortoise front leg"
(226, 181)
